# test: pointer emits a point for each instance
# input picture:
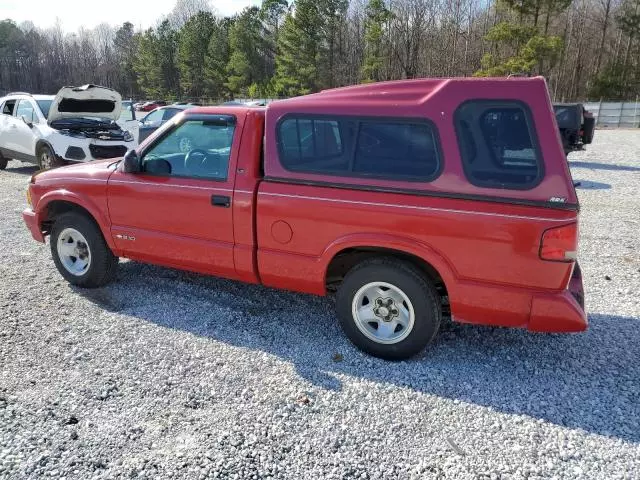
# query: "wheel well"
(56, 208)
(346, 259)
(40, 144)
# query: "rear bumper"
(535, 310)
(560, 312)
(31, 220)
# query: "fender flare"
(82, 202)
(393, 242)
(41, 142)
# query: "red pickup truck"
(411, 200)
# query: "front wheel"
(80, 252)
(388, 308)
(47, 158)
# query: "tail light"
(560, 244)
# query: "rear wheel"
(80, 252)
(47, 158)
(388, 308)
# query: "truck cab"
(409, 200)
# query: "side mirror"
(27, 121)
(131, 162)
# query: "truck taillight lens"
(560, 244)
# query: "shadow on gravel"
(23, 169)
(603, 166)
(585, 381)
(589, 185)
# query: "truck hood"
(91, 171)
(87, 101)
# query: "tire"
(76, 233)
(3, 162)
(409, 291)
(47, 158)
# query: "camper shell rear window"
(498, 144)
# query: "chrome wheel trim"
(73, 252)
(383, 312)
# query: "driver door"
(22, 138)
(177, 210)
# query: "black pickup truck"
(576, 125)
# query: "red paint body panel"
(33, 224)
(436, 100)
(283, 233)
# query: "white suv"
(76, 125)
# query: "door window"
(360, 147)
(26, 110)
(169, 113)
(194, 148)
(8, 106)
(154, 117)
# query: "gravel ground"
(166, 374)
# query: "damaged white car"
(76, 125)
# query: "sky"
(74, 14)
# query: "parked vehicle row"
(410, 199)
(150, 105)
(51, 143)
(158, 117)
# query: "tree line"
(587, 49)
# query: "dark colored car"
(155, 119)
(576, 125)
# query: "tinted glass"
(396, 149)
(312, 145)
(497, 145)
(45, 106)
(169, 113)
(196, 148)
(350, 146)
(154, 117)
(8, 106)
(25, 109)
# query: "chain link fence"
(615, 114)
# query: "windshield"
(45, 106)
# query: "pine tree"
(302, 51)
(192, 50)
(522, 48)
(155, 64)
(125, 45)
(295, 71)
(167, 43)
(216, 60)
(376, 16)
(247, 53)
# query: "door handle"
(220, 201)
